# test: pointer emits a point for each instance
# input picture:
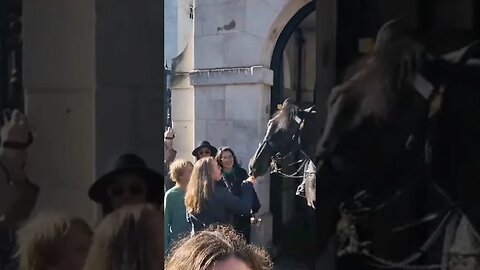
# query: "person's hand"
(252, 180)
(169, 134)
(168, 137)
(15, 128)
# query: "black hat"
(204, 144)
(127, 163)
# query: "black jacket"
(222, 204)
(235, 180)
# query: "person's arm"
(170, 153)
(256, 203)
(239, 205)
(166, 222)
(25, 197)
(16, 138)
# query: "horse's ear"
(287, 102)
(387, 33)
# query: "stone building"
(243, 59)
(246, 56)
(92, 75)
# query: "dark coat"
(241, 223)
(222, 204)
(235, 181)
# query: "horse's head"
(377, 87)
(371, 116)
(282, 138)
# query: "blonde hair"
(39, 239)
(200, 186)
(216, 243)
(177, 167)
(123, 240)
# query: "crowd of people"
(214, 190)
(198, 217)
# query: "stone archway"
(276, 62)
(286, 207)
(233, 48)
(285, 17)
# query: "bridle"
(278, 158)
(433, 95)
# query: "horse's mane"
(386, 68)
(282, 118)
(378, 80)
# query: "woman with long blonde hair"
(130, 238)
(208, 200)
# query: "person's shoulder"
(240, 169)
(173, 191)
(220, 190)
(242, 172)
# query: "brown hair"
(39, 239)
(219, 156)
(177, 167)
(200, 186)
(216, 243)
(283, 117)
(123, 240)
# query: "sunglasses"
(132, 190)
(205, 152)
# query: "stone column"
(129, 81)
(232, 108)
(183, 102)
(59, 79)
(93, 79)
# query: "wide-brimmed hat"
(130, 163)
(204, 144)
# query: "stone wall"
(231, 108)
(234, 40)
(171, 31)
(93, 79)
(59, 79)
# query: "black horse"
(399, 140)
(371, 154)
(373, 173)
(289, 133)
